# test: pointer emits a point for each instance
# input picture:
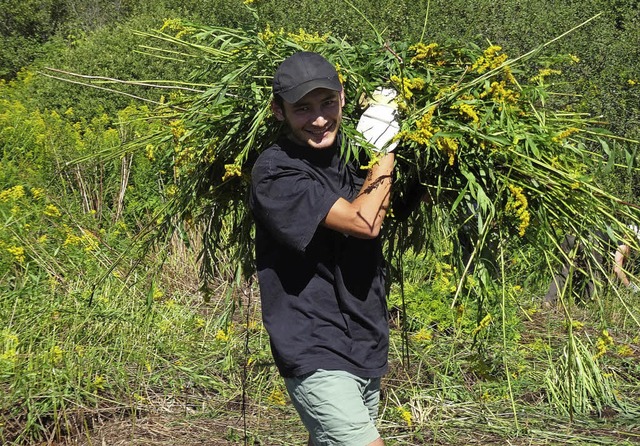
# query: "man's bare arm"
(363, 216)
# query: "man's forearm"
(374, 196)
(363, 216)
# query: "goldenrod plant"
(486, 141)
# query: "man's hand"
(378, 124)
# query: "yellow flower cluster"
(544, 73)
(231, 170)
(223, 336)
(185, 160)
(565, 134)
(71, 240)
(171, 190)
(9, 343)
(18, 253)
(56, 354)
(277, 398)
(269, 36)
(9, 355)
(37, 193)
(467, 110)
(443, 278)
(90, 241)
(424, 52)
(405, 415)
(508, 74)
(625, 351)
(484, 323)
(52, 211)
(375, 157)
(341, 76)
(149, 152)
(12, 194)
(9, 338)
(424, 129)
(157, 294)
(164, 325)
(87, 239)
(177, 129)
(407, 85)
(98, 382)
(303, 37)
(500, 93)
(489, 60)
(471, 282)
(450, 147)
(517, 206)
(423, 335)
(177, 26)
(603, 343)
(171, 25)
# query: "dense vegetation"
(104, 238)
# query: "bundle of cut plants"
(494, 157)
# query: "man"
(319, 256)
(588, 260)
(622, 256)
(576, 266)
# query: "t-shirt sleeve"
(289, 202)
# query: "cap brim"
(295, 94)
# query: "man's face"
(315, 119)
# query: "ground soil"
(224, 426)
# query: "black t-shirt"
(322, 293)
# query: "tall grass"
(89, 328)
(79, 347)
(76, 344)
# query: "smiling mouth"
(321, 132)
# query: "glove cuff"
(384, 96)
(381, 113)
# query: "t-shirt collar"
(303, 151)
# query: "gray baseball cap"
(303, 72)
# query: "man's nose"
(319, 120)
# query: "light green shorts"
(336, 407)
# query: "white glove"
(378, 124)
(634, 288)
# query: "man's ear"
(277, 111)
(343, 101)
